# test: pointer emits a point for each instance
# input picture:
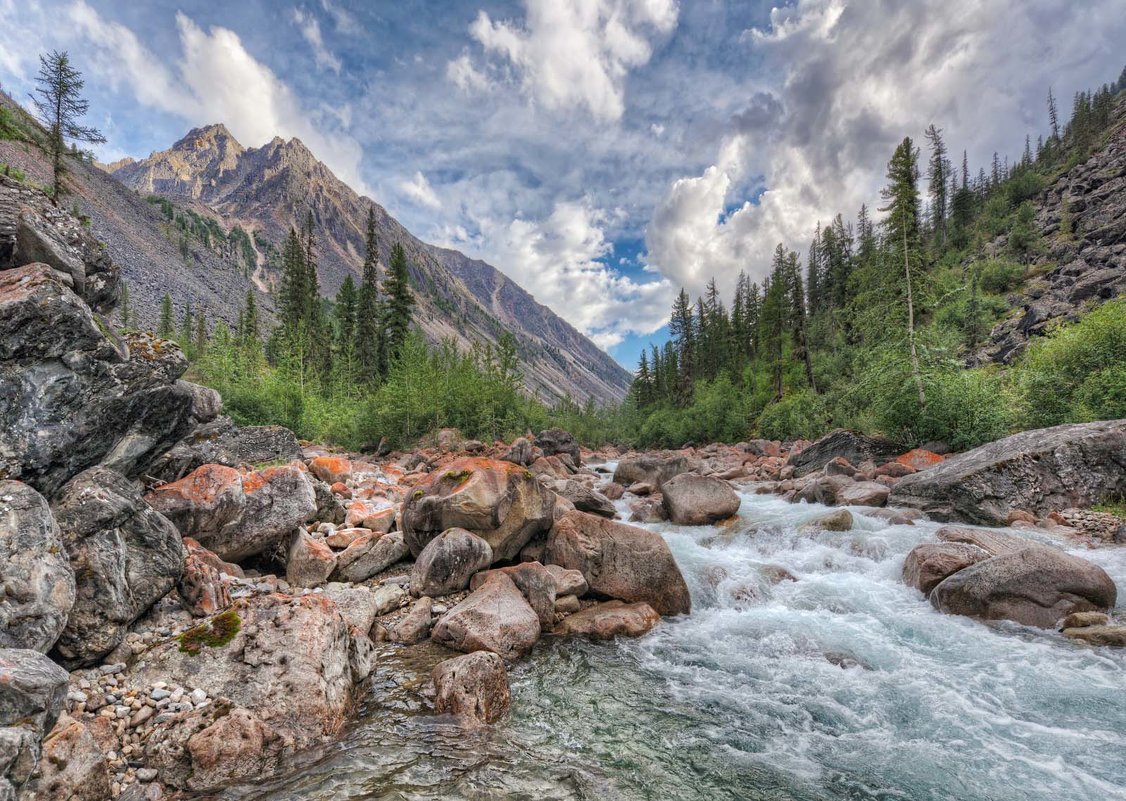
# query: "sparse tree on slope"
(59, 106)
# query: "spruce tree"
(400, 303)
(59, 106)
(126, 309)
(294, 294)
(936, 176)
(186, 326)
(369, 311)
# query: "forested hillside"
(953, 316)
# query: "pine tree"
(59, 106)
(1053, 117)
(294, 293)
(798, 318)
(936, 176)
(167, 327)
(682, 331)
(400, 302)
(369, 311)
(248, 334)
(902, 195)
(186, 328)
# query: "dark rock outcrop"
(35, 574)
(126, 556)
(73, 395)
(220, 441)
(556, 441)
(1036, 471)
(32, 692)
(849, 445)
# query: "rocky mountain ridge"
(273, 187)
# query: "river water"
(844, 684)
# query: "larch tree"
(60, 107)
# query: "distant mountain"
(266, 190)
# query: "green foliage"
(214, 633)
(1000, 276)
(1078, 372)
(12, 172)
(801, 415)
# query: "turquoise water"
(844, 684)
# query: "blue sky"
(602, 153)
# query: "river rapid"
(844, 684)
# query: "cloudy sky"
(602, 153)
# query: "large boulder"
(474, 687)
(1039, 471)
(32, 693)
(583, 497)
(495, 617)
(556, 442)
(73, 766)
(36, 578)
(522, 452)
(848, 445)
(929, 564)
(693, 500)
(1036, 585)
(220, 441)
(651, 470)
(611, 619)
(536, 583)
(285, 661)
(448, 562)
(73, 395)
(370, 554)
(620, 561)
(498, 501)
(237, 515)
(125, 555)
(310, 561)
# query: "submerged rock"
(1037, 471)
(620, 561)
(474, 687)
(36, 577)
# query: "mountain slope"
(269, 189)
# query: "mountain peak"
(215, 136)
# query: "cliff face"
(1082, 219)
(271, 188)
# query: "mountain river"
(844, 684)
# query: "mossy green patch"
(214, 633)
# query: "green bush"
(1000, 276)
(802, 415)
(1076, 373)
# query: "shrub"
(1077, 372)
(802, 415)
(1000, 276)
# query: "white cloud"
(342, 18)
(559, 260)
(311, 32)
(420, 191)
(839, 85)
(570, 53)
(215, 80)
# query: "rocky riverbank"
(188, 604)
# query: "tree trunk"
(915, 372)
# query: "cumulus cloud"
(560, 259)
(570, 53)
(420, 191)
(215, 80)
(311, 32)
(839, 85)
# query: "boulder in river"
(76, 395)
(849, 445)
(1040, 471)
(648, 469)
(1036, 585)
(126, 557)
(237, 515)
(35, 573)
(536, 583)
(473, 687)
(930, 563)
(495, 617)
(620, 561)
(694, 500)
(498, 501)
(611, 619)
(583, 497)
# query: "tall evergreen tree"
(400, 302)
(369, 311)
(936, 176)
(167, 326)
(59, 106)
